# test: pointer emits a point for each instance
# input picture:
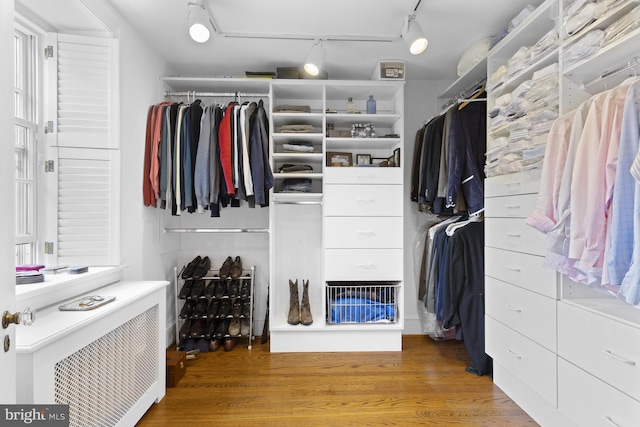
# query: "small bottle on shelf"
(350, 106)
(371, 105)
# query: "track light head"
(199, 22)
(316, 57)
(414, 36)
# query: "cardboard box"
(389, 70)
(176, 367)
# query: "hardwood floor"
(425, 384)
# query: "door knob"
(27, 317)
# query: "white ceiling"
(450, 25)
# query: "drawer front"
(531, 363)
(590, 402)
(363, 264)
(521, 269)
(514, 235)
(363, 200)
(531, 314)
(524, 182)
(363, 232)
(510, 206)
(608, 349)
(362, 175)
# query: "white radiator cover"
(107, 364)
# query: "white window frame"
(26, 108)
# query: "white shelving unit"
(323, 236)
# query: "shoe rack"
(211, 307)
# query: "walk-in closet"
(331, 213)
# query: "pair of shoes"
(231, 268)
(212, 310)
(234, 327)
(299, 312)
(210, 289)
(224, 309)
(199, 309)
(220, 289)
(202, 268)
(187, 272)
(229, 344)
(197, 288)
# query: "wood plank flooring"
(425, 384)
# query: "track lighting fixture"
(200, 27)
(313, 65)
(414, 36)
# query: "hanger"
(474, 97)
(451, 228)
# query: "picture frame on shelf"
(363, 159)
(381, 162)
(339, 159)
(396, 157)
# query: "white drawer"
(608, 349)
(363, 200)
(510, 206)
(514, 235)
(590, 402)
(363, 232)
(533, 364)
(521, 269)
(531, 314)
(363, 264)
(524, 182)
(362, 175)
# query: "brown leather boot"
(294, 304)
(305, 308)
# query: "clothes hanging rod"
(300, 202)
(628, 65)
(216, 230)
(214, 94)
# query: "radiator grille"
(102, 381)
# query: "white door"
(7, 220)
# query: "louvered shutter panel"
(87, 92)
(83, 75)
(88, 209)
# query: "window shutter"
(88, 208)
(86, 99)
(83, 99)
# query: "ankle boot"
(305, 307)
(294, 304)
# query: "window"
(25, 107)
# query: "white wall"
(140, 87)
(420, 98)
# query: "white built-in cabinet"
(566, 353)
(346, 233)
